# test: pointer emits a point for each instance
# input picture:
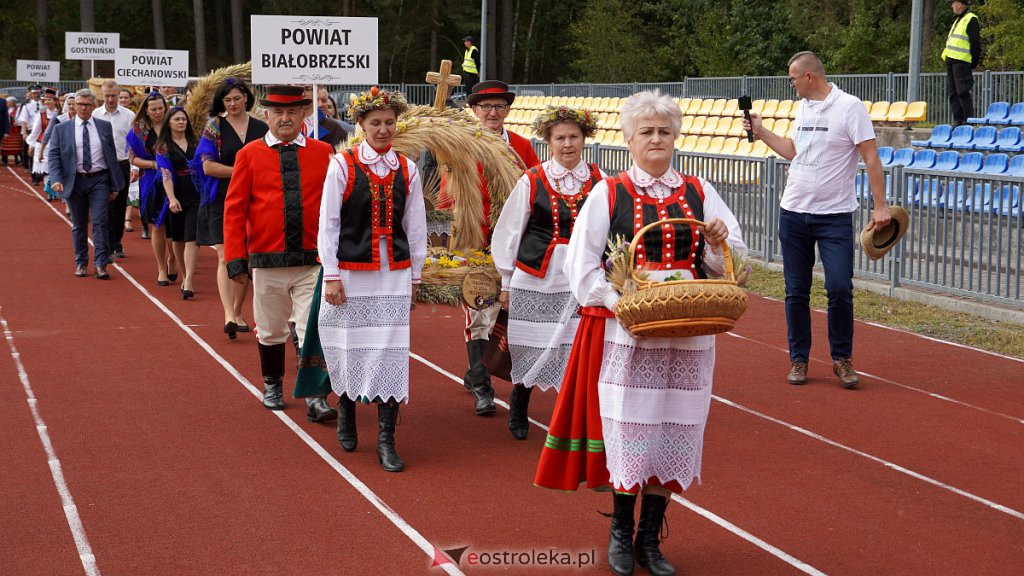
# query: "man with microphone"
(832, 128)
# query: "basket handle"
(730, 274)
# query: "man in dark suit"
(4, 119)
(84, 171)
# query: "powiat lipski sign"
(308, 49)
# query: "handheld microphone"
(746, 105)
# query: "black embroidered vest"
(373, 208)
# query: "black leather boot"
(347, 437)
(272, 366)
(648, 554)
(620, 541)
(387, 415)
(519, 404)
(318, 410)
(478, 380)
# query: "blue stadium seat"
(996, 164)
(924, 159)
(885, 155)
(997, 113)
(1016, 166)
(1016, 116)
(970, 162)
(1009, 140)
(984, 136)
(940, 135)
(903, 157)
(1007, 201)
(961, 138)
(948, 160)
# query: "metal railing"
(966, 235)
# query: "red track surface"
(176, 468)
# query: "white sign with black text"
(38, 71)
(151, 67)
(314, 49)
(91, 45)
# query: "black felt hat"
(284, 96)
(491, 89)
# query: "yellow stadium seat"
(620, 139)
(867, 105)
(879, 111)
(724, 125)
(679, 141)
(769, 108)
(689, 143)
(916, 112)
(768, 124)
(785, 106)
(698, 125)
(781, 126)
(897, 112)
(730, 146)
(757, 106)
(718, 107)
(705, 107)
(709, 126)
(617, 104)
(609, 137)
(715, 146)
(702, 145)
(794, 110)
(744, 148)
(761, 150)
(684, 104)
(684, 127)
(736, 128)
(732, 108)
(695, 104)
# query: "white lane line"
(707, 514)
(819, 437)
(327, 457)
(70, 510)
(928, 393)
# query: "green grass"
(1000, 337)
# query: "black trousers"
(116, 210)
(959, 82)
(469, 80)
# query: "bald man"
(831, 129)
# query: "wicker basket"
(681, 308)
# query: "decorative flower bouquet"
(445, 270)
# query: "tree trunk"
(42, 39)
(199, 15)
(158, 25)
(927, 29)
(507, 59)
(435, 23)
(237, 27)
(515, 35)
(530, 48)
(218, 23)
(88, 15)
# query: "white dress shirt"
(95, 147)
(28, 112)
(121, 123)
(272, 140)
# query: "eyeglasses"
(494, 107)
(233, 99)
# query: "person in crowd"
(470, 64)
(124, 99)
(175, 148)
(962, 54)
(330, 108)
(372, 243)
(27, 115)
(271, 218)
(832, 129)
(83, 169)
(490, 102)
(40, 169)
(8, 111)
(529, 245)
(121, 120)
(328, 130)
(146, 128)
(171, 95)
(631, 413)
(229, 129)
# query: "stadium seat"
(1007, 203)
(1009, 140)
(732, 108)
(698, 125)
(924, 159)
(971, 162)
(903, 157)
(620, 139)
(716, 144)
(784, 109)
(781, 126)
(960, 139)
(695, 105)
(679, 142)
(996, 164)
(897, 112)
(736, 128)
(757, 106)
(709, 126)
(916, 112)
(940, 135)
(689, 143)
(744, 148)
(684, 127)
(879, 111)
(703, 142)
(1016, 167)
(1016, 116)
(885, 155)
(730, 145)
(948, 160)
(684, 103)
(761, 150)
(724, 126)
(769, 109)
(984, 138)
(768, 124)
(867, 105)
(997, 114)
(705, 107)
(718, 107)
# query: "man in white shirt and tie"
(84, 172)
(120, 119)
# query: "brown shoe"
(798, 373)
(81, 271)
(843, 368)
(101, 273)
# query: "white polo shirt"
(121, 121)
(821, 176)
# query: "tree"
(1002, 34)
(237, 31)
(158, 25)
(42, 38)
(607, 46)
(199, 15)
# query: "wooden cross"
(443, 80)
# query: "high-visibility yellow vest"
(468, 64)
(958, 45)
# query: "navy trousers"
(834, 236)
(90, 198)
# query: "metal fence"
(966, 235)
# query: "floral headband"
(376, 99)
(557, 114)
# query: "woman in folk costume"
(528, 247)
(175, 149)
(631, 412)
(372, 244)
(149, 122)
(35, 139)
(230, 128)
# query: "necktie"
(86, 149)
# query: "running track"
(134, 443)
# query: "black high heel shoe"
(231, 329)
(187, 294)
(172, 277)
